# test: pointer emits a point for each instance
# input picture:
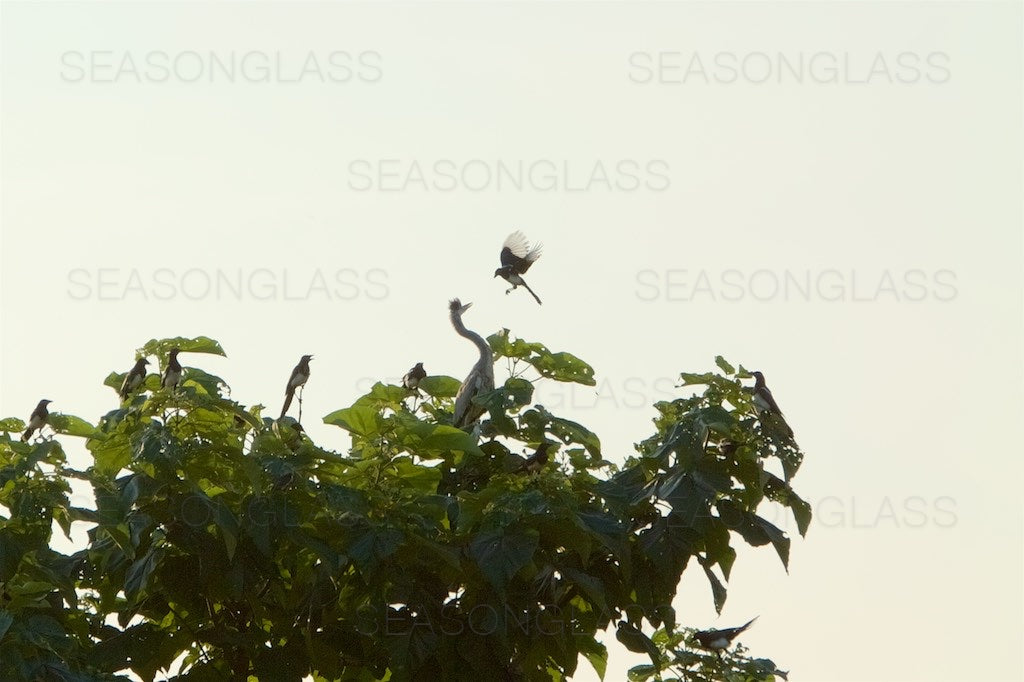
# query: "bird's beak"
(466, 306)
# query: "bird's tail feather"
(748, 624)
(535, 296)
(287, 401)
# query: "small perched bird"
(480, 379)
(516, 259)
(299, 377)
(172, 374)
(535, 462)
(134, 378)
(411, 380)
(716, 640)
(764, 402)
(37, 420)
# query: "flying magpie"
(516, 259)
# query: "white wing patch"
(520, 246)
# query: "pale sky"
(828, 192)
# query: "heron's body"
(480, 379)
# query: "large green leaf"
(360, 420)
(440, 386)
(11, 424)
(198, 344)
(500, 555)
(72, 426)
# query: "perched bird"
(37, 420)
(728, 447)
(172, 374)
(535, 462)
(480, 379)
(764, 402)
(411, 380)
(299, 377)
(716, 640)
(134, 378)
(516, 259)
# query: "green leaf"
(506, 347)
(641, 673)
(724, 366)
(72, 426)
(564, 367)
(137, 577)
(595, 652)
(636, 641)
(208, 383)
(440, 386)
(198, 344)
(520, 390)
(6, 618)
(717, 588)
(360, 420)
(11, 424)
(500, 555)
(373, 545)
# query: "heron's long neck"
(481, 344)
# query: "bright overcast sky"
(830, 193)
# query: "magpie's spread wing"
(508, 258)
(516, 252)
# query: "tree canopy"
(226, 545)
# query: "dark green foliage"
(422, 553)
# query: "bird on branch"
(134, 378)
(535, 462)
(172, 374)
(37, 420)
(716, 640)
(411, 380)
(298, 379)
(480, 379)
(516, 259)
(764, 403)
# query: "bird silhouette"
(716, 640)
(298, 378)
(172, 374)
(37, 419)
(516, 258)
(134, 378)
